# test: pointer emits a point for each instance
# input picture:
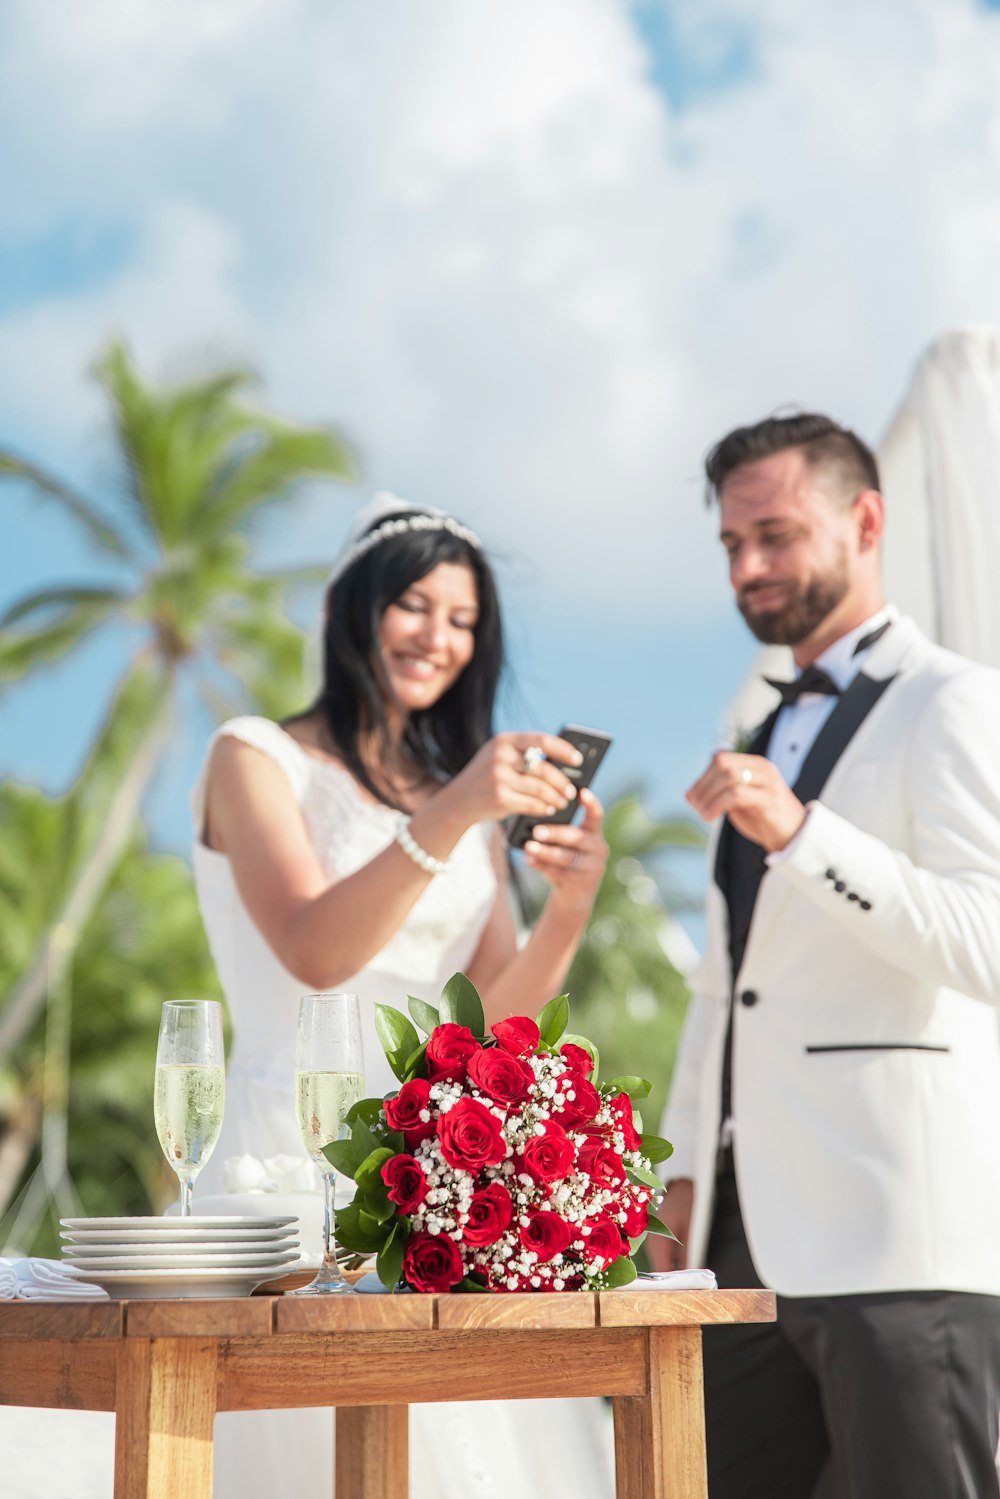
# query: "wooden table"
(166, 1367)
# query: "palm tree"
(76, 1122)
(198, 463)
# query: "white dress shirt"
(798, 725)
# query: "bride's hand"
(497, 782)
(572, 858)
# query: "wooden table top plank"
(631, 1308)
(61, 1319)
(360, 1313)
(235, 1317)
(517, 1310)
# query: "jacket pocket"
(877, 1046)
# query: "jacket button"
(853, 895)
(840, 887)
(831, 874)
(748, 997)
(865, 905)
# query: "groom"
(835, 1109)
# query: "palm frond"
(286, 458)
(43, 599)
(22, 651)
(48, 487)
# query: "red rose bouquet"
(501, 1163)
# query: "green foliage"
(143, 944)
(461, 1005)
(553, 1018)
(398, 1037)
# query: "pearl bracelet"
(419, 855)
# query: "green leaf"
(389, 1265)
(424, 1014)
(369, 1174)
(657, 1226)
(588, 1046)
(553, 1019)
(375, 1203)
(621, 1273)
(635, 1087)
(398, 1037)
(656, 1149)
(365, 1111)
(347, 1155)
(414, 1063)
(358, 1230)
(470, 1283)
(638, 1174)
(461, 1005)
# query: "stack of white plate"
(148, 1258)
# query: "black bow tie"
(813, 679)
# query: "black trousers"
(892, 1395)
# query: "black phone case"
(593, 745)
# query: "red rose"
(406, 1182)
(432, 1262)
(546, 1233)
(584, 1104)
(604, 1240)
(490, 1211)
(548, 1157)
(579, 1060)
(403, 1112)
(636, 1216)
(449, 1047)
(500, 1076)
(470, 1136)
(518, 1035)
(622, 1108)
(603, 1165)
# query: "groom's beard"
(807, 607)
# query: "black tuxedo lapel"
(739, 863)
(836, 734)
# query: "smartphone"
(593, 746)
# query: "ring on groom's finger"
(746, 775)
(533, 757)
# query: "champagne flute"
(190, 1087)
(329, 1080)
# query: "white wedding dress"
(536, 1448)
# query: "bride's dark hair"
(444, 737)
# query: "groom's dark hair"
(825, 443)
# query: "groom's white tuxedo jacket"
(866, 1061)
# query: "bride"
(356, 847)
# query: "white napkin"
(676, 1280)
(279, 1173)
(44, 1280)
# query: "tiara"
(390, 528)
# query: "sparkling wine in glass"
(329, 1079)
(190, 1087)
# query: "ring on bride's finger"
(533, 757)
(746, 775)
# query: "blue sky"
(532, 259)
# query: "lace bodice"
(347, 830)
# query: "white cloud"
(481, 239)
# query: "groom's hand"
(752, 794)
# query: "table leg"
(660, 1437)
(372, 1452)
(165, 1412)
